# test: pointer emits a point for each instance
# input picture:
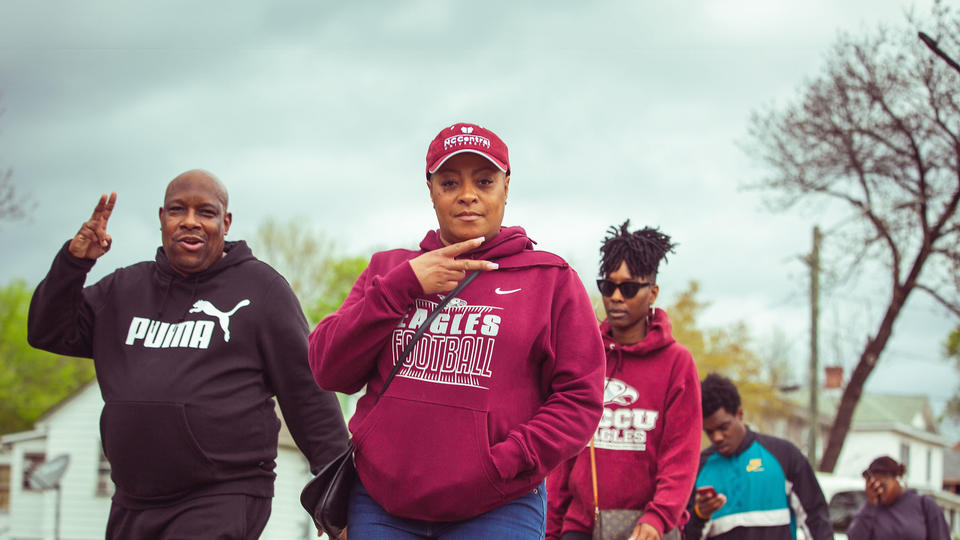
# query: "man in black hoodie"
(189, 351)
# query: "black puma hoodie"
(188, 367)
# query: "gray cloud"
(323, 110)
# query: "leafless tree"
(13, 204)
(879, 132)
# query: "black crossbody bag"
(327, 496)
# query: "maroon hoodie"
(648, 440)
(506, 383)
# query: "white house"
(72, 428)
(4, 492)
(899, 426)
(902, 427)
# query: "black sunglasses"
(628, 289)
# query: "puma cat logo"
(205, 307)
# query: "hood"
(511, 248)
(509, 241)
(234, 253)
(659, 335)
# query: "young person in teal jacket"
(751, 485)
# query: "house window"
(929, 466)
(105, 487)
(30, 462)
(4, 488)
(905, 455)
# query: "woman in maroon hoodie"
(505, 385)
(647, 445)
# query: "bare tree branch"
(13, 205)
(877, 130)
(950, 306)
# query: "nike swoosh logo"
(498, 291)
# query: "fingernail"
(492, 266)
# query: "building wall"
(5, 512)
(74, 429)
(917, 472)
(26, 506)
(288, 520)
(862, 447)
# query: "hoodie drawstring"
(166, 294)
(193, 298)
(618, 365)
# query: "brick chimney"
(833, 377)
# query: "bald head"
(199, 179)
(194, 221)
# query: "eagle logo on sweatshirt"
(619, 393)
(456, 303)
(623, 425)
(456, 348)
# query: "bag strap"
(593, 476)
(423, 328)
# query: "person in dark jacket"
(894, 513)
(751, 485)
(190, 350)
(505, 384)
(648, 441)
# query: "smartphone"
(706, 492)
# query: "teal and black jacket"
(771, 491)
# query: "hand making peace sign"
(440, 271)
(92, 240)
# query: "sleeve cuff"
(400, 286)
(653, 520)
(509, 458)
(76, 262)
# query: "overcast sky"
(322, 112)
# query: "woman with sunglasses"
(892, 512)
(647, 445)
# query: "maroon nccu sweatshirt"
(648, 440)
(505, 384)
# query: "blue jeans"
(522, 519)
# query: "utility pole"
(814, 262)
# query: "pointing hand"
(440, 271)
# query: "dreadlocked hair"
(718, 392)
(642, 250)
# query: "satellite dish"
(48, 475)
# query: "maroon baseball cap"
(463, 137)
